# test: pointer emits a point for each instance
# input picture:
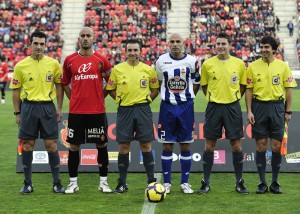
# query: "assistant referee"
(33, 84)
(269, 102)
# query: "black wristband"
(289, 112)
(16, 113)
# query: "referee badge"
(49, 77)
(276, 80)
(143, 83)
(234, 79)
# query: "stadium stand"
(19, 18)
(116, 21)
(245, 21)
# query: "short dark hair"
(133, 41)
(271, 41)
(224, 36)
(38, 34)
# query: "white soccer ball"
(155, 192)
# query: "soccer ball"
(155, 192)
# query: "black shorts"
(269, 119)
(228, 116)
(134, 123)
(38, 119)
(87, 128)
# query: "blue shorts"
(176, 123)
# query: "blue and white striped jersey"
(177, 77)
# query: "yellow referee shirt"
(36, 78)
(223, 79)
(132, 83)
(269, 80)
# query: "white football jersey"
(178, 77)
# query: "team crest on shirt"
(143, 83)
(276, 80)
(100, 66)
(234, 79)
(182, 72)
(49, 77)
(177, 84)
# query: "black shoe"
(27, 188)
(275, 188)
(58, 188)
(262, 188)
(121, 187)
(151, 180)
(240, 188)
(205, 188)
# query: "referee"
(269, 102)
(134, 85)
(223, 80)
(33, 83)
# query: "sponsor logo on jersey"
(15, 82)
(289, 79)
(249, 81)
(154, 80)
(177, 84)
(86, 77)
(95, 132)
(85, 68)
(166, 63)
(111, 82)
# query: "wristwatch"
(288, 112)
(16, 113)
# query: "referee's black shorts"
(269, 119)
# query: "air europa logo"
(84, 68)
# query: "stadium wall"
(222, 156)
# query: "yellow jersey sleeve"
(289, 80)
(16, 81)
(57, 73)
(243, 74)
(112, 81)
(153, 81)
(204, 77)
(249, 77)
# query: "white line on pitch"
(148, 207)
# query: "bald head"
(176, 35)
(175, 45)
